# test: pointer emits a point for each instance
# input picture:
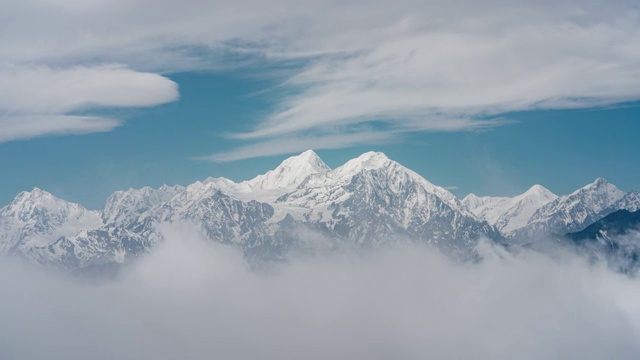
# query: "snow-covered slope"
(573, 212)
(372, 199)
(274, 183)
(35, 220)
(481, 205)
(222, 217)
(125, 206)
(509, 214)
(292, 172)
(538, 212)
(630, 202)
(368, 201)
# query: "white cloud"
(421, 77)
(29, 126)
(193, 299)
(413, 66)
(47, 90)
(37, 101)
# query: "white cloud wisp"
(413, 66)
(39, 101)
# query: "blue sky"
(562, 149)
(486, 97)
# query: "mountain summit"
(367, 202)
(575, 211)
(35, 219)
(291, 172)
(509, 214)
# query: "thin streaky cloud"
(350, 64)
(33, 126)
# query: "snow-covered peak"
(28, 203)
(37, 192)
(600, 186)
(476, 204)
(575, 211)
(600, 182)
(538, 194)
(34, 194)
(308, 156)
(368, 161)
(372, 159)
(291, 172)
(630, 202)
(539, 190)
(37, 218)
(509, 214)
(472, 198)
(220, 181)
(598, 195)
(123, 205)
(380, 171)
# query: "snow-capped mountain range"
(299, 206)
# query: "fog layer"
(193, 299)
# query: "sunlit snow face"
(193, 299)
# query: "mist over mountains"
(186, 284)
(301, 206)
(193, 298)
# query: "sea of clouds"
(194, 299)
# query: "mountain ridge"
(368, 201)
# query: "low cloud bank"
(193, 299)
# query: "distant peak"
(305, 160)
(471, 200)
(291, 172)
(600, 181)
(308, 154)
(474, 201)
(539, 190)
(368, 160)
(36, 198)
(600, 187)
(166, 187)
(36, 192)
(305, 156)
(371, 160)
(373, 156)
(471, 196)
(537, 194)
(598, 184)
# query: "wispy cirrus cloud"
(30, 126)
(413, 66)
(458, 74)
(454, 73)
